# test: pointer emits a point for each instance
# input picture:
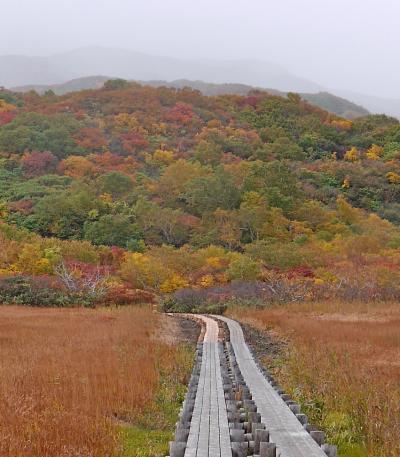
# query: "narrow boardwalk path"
(285, 430)
(209, 430)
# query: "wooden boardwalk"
(285, 430)
(209, 430)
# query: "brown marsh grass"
(68, 377)
(343, 364)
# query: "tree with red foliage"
(91, 139)
(250, 100)
(181, 113)
(37, 163)
(133, 142)
(6, 117)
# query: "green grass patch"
(143, 442)
(154, 429)
(352, 450)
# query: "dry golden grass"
(67, 377)
(344, 362)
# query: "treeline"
(142, 190)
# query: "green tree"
(116, 84)
(38, 132)
(161, 225)
(244, 268)
(275, 181)
(284, 148)
(208, 153)
(253, 213)
(206, 194)
(112, 230)
(115, 183)
(64, 214)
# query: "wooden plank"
(285, 430)
(209, 430)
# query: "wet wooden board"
(291, 439)
(209, 430)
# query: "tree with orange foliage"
(76, 167)
(91, 139)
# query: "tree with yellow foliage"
(342, 124)
(159, 158)
(352, 155)
(347, 213)
(3, 210)
(176, 176)
(173, 283)
(206, 281)
(6, 107)
(374, 152)
(393, 178)
(124, 123)
(142, 271)
(346, 183)
(32, 260)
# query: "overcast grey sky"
(344, 44)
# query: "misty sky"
(343, 44)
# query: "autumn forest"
(129, 192)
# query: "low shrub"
(39, 291)
(215, 300)
(122, 294)
(170, 305)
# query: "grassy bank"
(342, 365)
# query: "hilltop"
(325, 100)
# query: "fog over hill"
(40, 72)
(22, 70)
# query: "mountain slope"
(336, 105)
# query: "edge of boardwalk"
(291, 439)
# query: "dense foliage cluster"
(138, 190)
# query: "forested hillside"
(126, 191)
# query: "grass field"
(343, 364)
(88, 383)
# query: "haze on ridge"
(341, 44)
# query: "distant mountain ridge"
(324, 100)
(389, 106)
(17, 71)
(22, 70)
(88, 82)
